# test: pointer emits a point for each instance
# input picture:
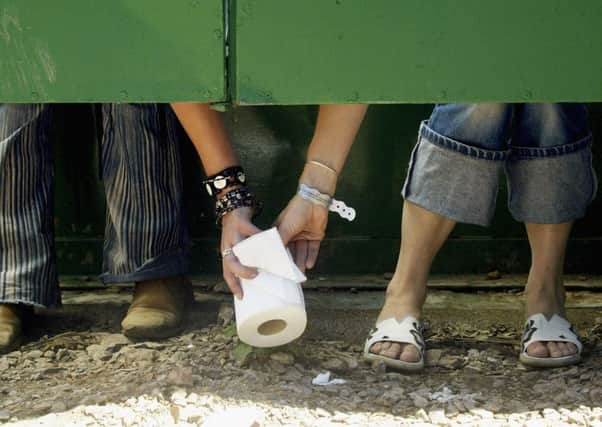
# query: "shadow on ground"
(76, 369)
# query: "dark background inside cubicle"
(271, 142)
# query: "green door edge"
(117, 51)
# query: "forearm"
(336, 129)
(206, 130)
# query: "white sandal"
(538, 328)
(406, 331)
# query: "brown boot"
(159, 308)
(11, 326)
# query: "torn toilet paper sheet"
(272, 310)
(325, 378)
(266, 252)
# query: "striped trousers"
(146, 232)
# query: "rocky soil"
(80, 375)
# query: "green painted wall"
(271, 142)
(414, 51)
(289, 52)
(301, 52)
(115, 50)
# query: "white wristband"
(342, 209)
(315, 196)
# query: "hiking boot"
(159, 308)
(11, 326)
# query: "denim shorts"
(544, 150)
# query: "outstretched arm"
(206, 130)
(302, 224)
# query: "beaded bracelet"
(239, 198)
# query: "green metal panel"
(414, 51)
(111, 51)
(271, 142)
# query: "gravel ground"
(85, 377)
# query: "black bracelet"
(225, 179)
(235, 199)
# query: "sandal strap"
(405, 331)
(538, 328)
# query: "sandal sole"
(549, 362)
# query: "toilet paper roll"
(272, 311)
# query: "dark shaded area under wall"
(271, 143)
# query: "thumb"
(286, 232)
(281, 227)
(248, 228)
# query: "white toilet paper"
(272, 311)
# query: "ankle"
(402, 300)
(11, 310)
(171, 294)
(546, 299)
(405, 292)
(551, 287)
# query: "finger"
(292, 248)
(313, 248)
(233, 284)
(301, 255)
(286, 230)
(248, 228)
(278, 224)
(232, 265)
(231, 258)
(278, 220)
(285, 233)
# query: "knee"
(14, 117)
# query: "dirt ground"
(75, 369)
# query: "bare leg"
(423, 233)
(545, 288)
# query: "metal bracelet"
(315, 196)
(330, 203)
(323, 166)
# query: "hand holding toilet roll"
(272, 310)
(236, 226)
(302, 226)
